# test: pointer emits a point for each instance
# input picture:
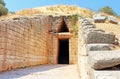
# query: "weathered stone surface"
(106, 77)
(88, 27)
(99, 30)
(23, 42)
(99, 37)
(89, 19)
(98, 18)
(93, 30)
(85, 22)
(112, 20)
(105, 74)
(99, 47)
(118, 23)
(104, 59)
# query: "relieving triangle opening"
(63, 27)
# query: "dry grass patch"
(57, 10)
(110, 28)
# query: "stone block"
(86, 31)
(99, 30)
(85, 22)
(98, 18)
(104, 59)
(112, 20)
(99, 37)
(88, 27)
(104, 74)
(99, 47)
(106, 77)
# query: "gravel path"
(44, 72)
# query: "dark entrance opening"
(63, 55)
(64, 27)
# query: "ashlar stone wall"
(23, 42)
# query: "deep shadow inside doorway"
(63, 54)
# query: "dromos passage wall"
(31, 41)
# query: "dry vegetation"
(110, 28)
(57, 10)
(6, 17)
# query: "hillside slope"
(57, 10)
(110, 28)
(68, 10)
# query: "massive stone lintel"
(104, 59)
(99, 37)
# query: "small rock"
(99, 18)
(85, 22)
(112, 20)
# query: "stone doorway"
(63, 51)
(63, 46)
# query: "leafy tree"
(11, 12)
(108, 10)
(3, 9)
(2, 2)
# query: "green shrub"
(3, 10)
(2, 2)
(75, 28)
(11, 12)
(108, 10)
(74, 20)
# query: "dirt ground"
(44, 72)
